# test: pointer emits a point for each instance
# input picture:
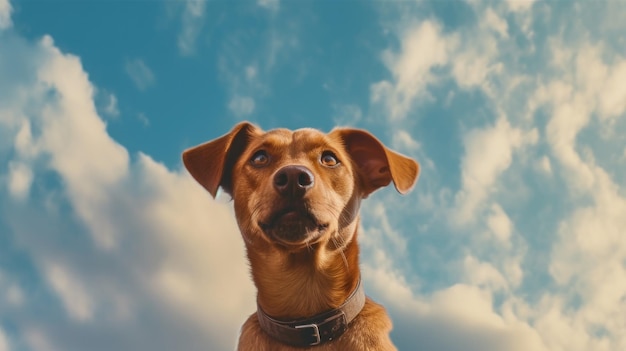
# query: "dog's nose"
(293, 181)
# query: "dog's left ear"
(377, 165)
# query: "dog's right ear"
(211, 163)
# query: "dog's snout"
(293, 181)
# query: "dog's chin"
(293, 229)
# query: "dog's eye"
(329, 159)
(260, 158)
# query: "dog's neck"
(308, 282)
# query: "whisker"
(343, 256)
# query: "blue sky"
(513, 239)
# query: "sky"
(514, 237)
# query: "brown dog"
(296, 196)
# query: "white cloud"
(77, 141)
(496, 23)
(458, 317)
(10, 293)
(4, 342)
(14, 295)
(140, 73)
(251, 73)
(37, 340)
(588, 259)
(5, 14)
(111, 106)
(488, 153)
(241, 106)
(347, 115)
(613, 94)
(78, 303)
(553, 116)
(124, 239)
(499, 223)
(545, 165)
(483, 274)
(143, 119)
(476, 59)
(423, 48)
(192, 22)
(20, 179)
(402, 140)
(384, 232)
(520, 5)
(273, 5)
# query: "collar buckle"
(316, 333)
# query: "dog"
(296, 197)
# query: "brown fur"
(309, 262)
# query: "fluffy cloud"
(588, 257)
(520, 5)
(241, 106)
(4, 343)
(192, 22)
(423, 48)
(558, 109)
(488, 153)
(148, 240)
(140, 73)
(5, 14)
(111, 107)
(458, 317)
(269, 4)
(69, 288)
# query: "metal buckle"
(316, 331)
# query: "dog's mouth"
(293, 226)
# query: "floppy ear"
(378, 165)
(211, 163)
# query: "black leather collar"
(318, 329)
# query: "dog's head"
(294, 189)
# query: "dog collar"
(318, 329)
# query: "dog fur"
(301, 239)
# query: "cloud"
(587, 260)
(488, 153)
(241, 106)
(540, 197)
(127, 240)
(70, 290)
(273, 5)
(462, 317)
(496, 23)
(499, 223)
(111, 107)
(347, 115)
(37, 340)
(192, 22)
(458, 317)
(402, 140)
(5, 14)
(476, 60)
(423, 48)
(143, 119)
(520, 5)
(20, 179)
(4, 343)
(140, 73)
(247, 61)
(545, 165)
